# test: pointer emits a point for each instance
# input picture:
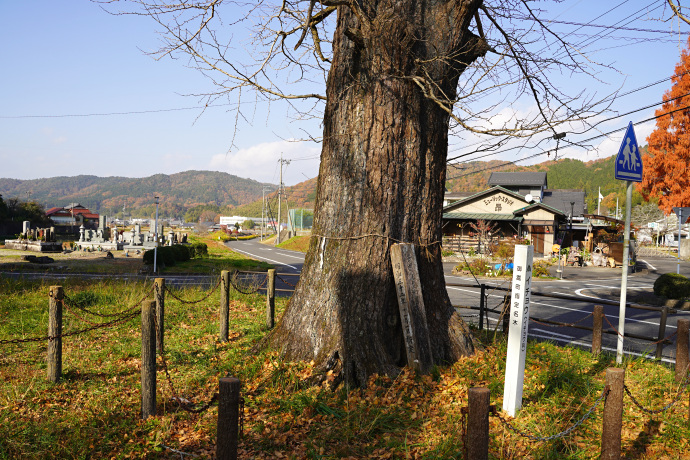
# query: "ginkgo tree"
(667, 159)
(390, 79)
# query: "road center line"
(263, 258)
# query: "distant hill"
(177, 192)
(561, 174)
(190, 192)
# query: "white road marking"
(553, 333)
(648, 264)
(615, 287)
(290, 255)
(264, 258)
(627, 320)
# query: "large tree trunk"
(381, 181)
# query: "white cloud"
(260, 161)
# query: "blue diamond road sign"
(629, 158)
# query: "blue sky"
(71, 58)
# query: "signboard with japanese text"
(517, 334)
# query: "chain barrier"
(667, 338)
(612, 326)
(564, 433)
(251, 290)
(114, 322)
(193, 301)
(463, 427)
(187, 406)
(286, 282)
(561, 325)
(675, 400)
(67, 301)
(93, 327)
(241, 414)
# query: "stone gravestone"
(26, 226)
(411, 304)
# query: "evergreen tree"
(668, 154)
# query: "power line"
(131, 112)
(610, 98)
(632, 29)
(580, 142)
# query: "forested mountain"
(565, 173)
(178, 192)
(190, 193)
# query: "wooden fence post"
(224, 304)
(662, 332)
(597, 326)
(227, 428)
(482, 296)
(682, 350)
(159, 284)
(55, 331)
(148, 359)
(477, 440)
(613, 415)
(271, 298)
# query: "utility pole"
(280, 192)
(263, 207)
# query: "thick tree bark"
(381, 181)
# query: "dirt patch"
(74, 262)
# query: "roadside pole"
(680, 225)
(627, 167)
(624, 279)
(680, 212)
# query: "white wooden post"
(517, 335)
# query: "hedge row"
(169, 255)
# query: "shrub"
(479, 266)
(540, 268)
(672, 286)
(220, 236)
(198, 250)
(505, 251)
(169, 255)
(447, 252)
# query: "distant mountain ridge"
(178, 192)
(231, 194)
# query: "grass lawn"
(296, 243)
(94, 411)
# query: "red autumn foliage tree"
(668, 154)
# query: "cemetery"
(37, 240)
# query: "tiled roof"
(479, 215)
(560, 199)
(536, 179)
(494, 189)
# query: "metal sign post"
(517, 334)
(628, 167)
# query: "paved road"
(589, 284)
(585, 283)
(288, 263)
